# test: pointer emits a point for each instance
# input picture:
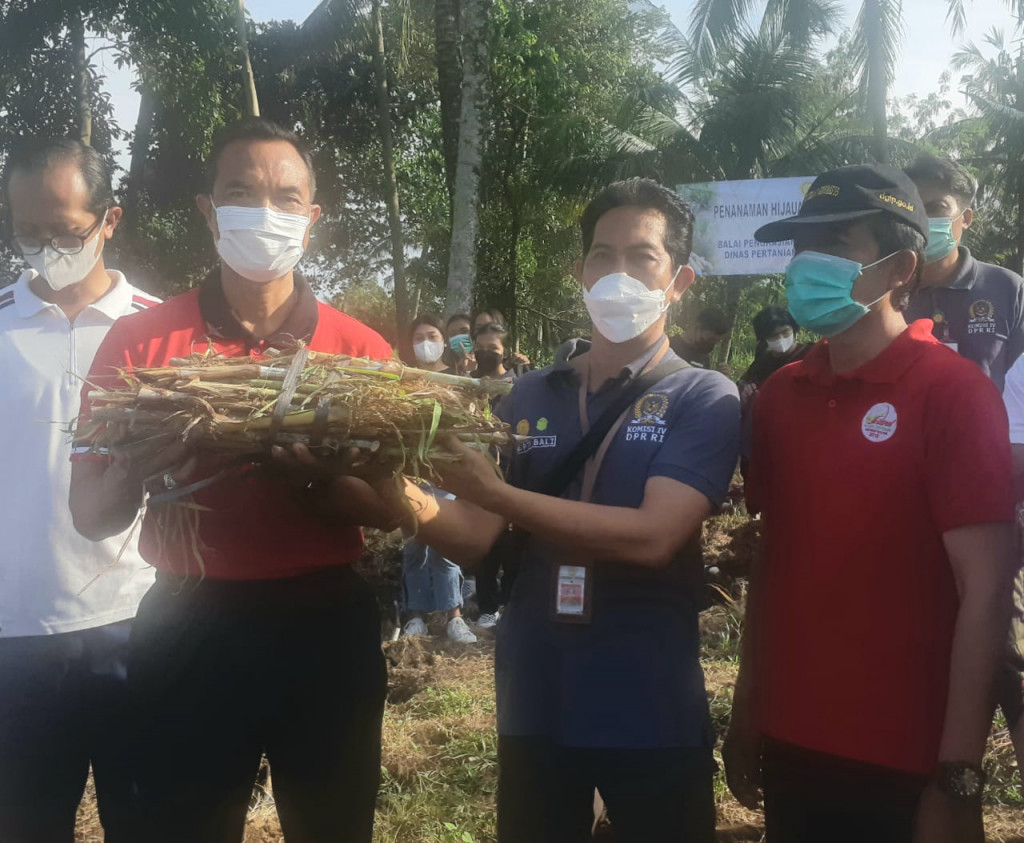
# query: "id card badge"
(573, 587)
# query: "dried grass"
(236, 407)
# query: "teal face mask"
(941, 241)
(818, 288)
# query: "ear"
(684, 280)
(314, 215)
(967, 218)
(904, 265)
(114, 215)
(205, 205)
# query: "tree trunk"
(449, 85)
(83, 107)
(252, 103)
(135, 185)
(877, 83)
(1017, 264)
(390, 182)
(733, 291)
(466, 199)
(140, 151)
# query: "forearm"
(744, 691)
(604, 533)
(104, 500)
(979, 643)
(457, 529)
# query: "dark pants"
(223, 672)
(63, 702)
(813, 797)
(546, 793)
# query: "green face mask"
(941, 241)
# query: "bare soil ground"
(439, 769)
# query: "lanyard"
(593, 465)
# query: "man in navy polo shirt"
(597, 672)
(978, 310)
(878, 610)
(977, 307)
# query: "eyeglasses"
(62, 244)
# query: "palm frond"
(879, 32)
(956, 17)
(713, 23)
(803, 20)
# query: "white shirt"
(1013, 397)
(51, 578)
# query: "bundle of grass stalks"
(239, 407)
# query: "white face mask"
(63, 271)
(782, 344)
(428, 351)
(622, 307)
(260, 244)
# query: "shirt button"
(831, 402)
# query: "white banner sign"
(726, 215)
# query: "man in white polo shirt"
(66, 603)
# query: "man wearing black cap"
(878, 610)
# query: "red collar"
(887, 367)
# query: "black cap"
(850, 193)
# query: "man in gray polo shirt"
(977, 308)
(598, 679)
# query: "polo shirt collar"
(887, 367)
(222, 322)
(967, 271)
(113, 304)
(567, 357)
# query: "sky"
(927, 45)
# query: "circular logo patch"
(879, 423)
(523, 428)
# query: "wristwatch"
(960, 780)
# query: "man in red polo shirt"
(878, 611)
(257, 636)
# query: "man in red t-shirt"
(877, 613)
(257, 638)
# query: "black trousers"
(223, 672)
(546, 793)
(810, 797)
(63, 706)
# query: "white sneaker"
(459, 632)
(487, 620)
(415, 628)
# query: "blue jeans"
(64, 705)
(430, 583)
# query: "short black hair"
(257, 129)
(495, 314)
(892, 235)
(425, 319)
(648, 195)
(712, 319)
(947, 174)
(456, 316)
(33, 155)
(492, 328)
(767, 321)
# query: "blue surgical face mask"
(941, 241)
(818, 288)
